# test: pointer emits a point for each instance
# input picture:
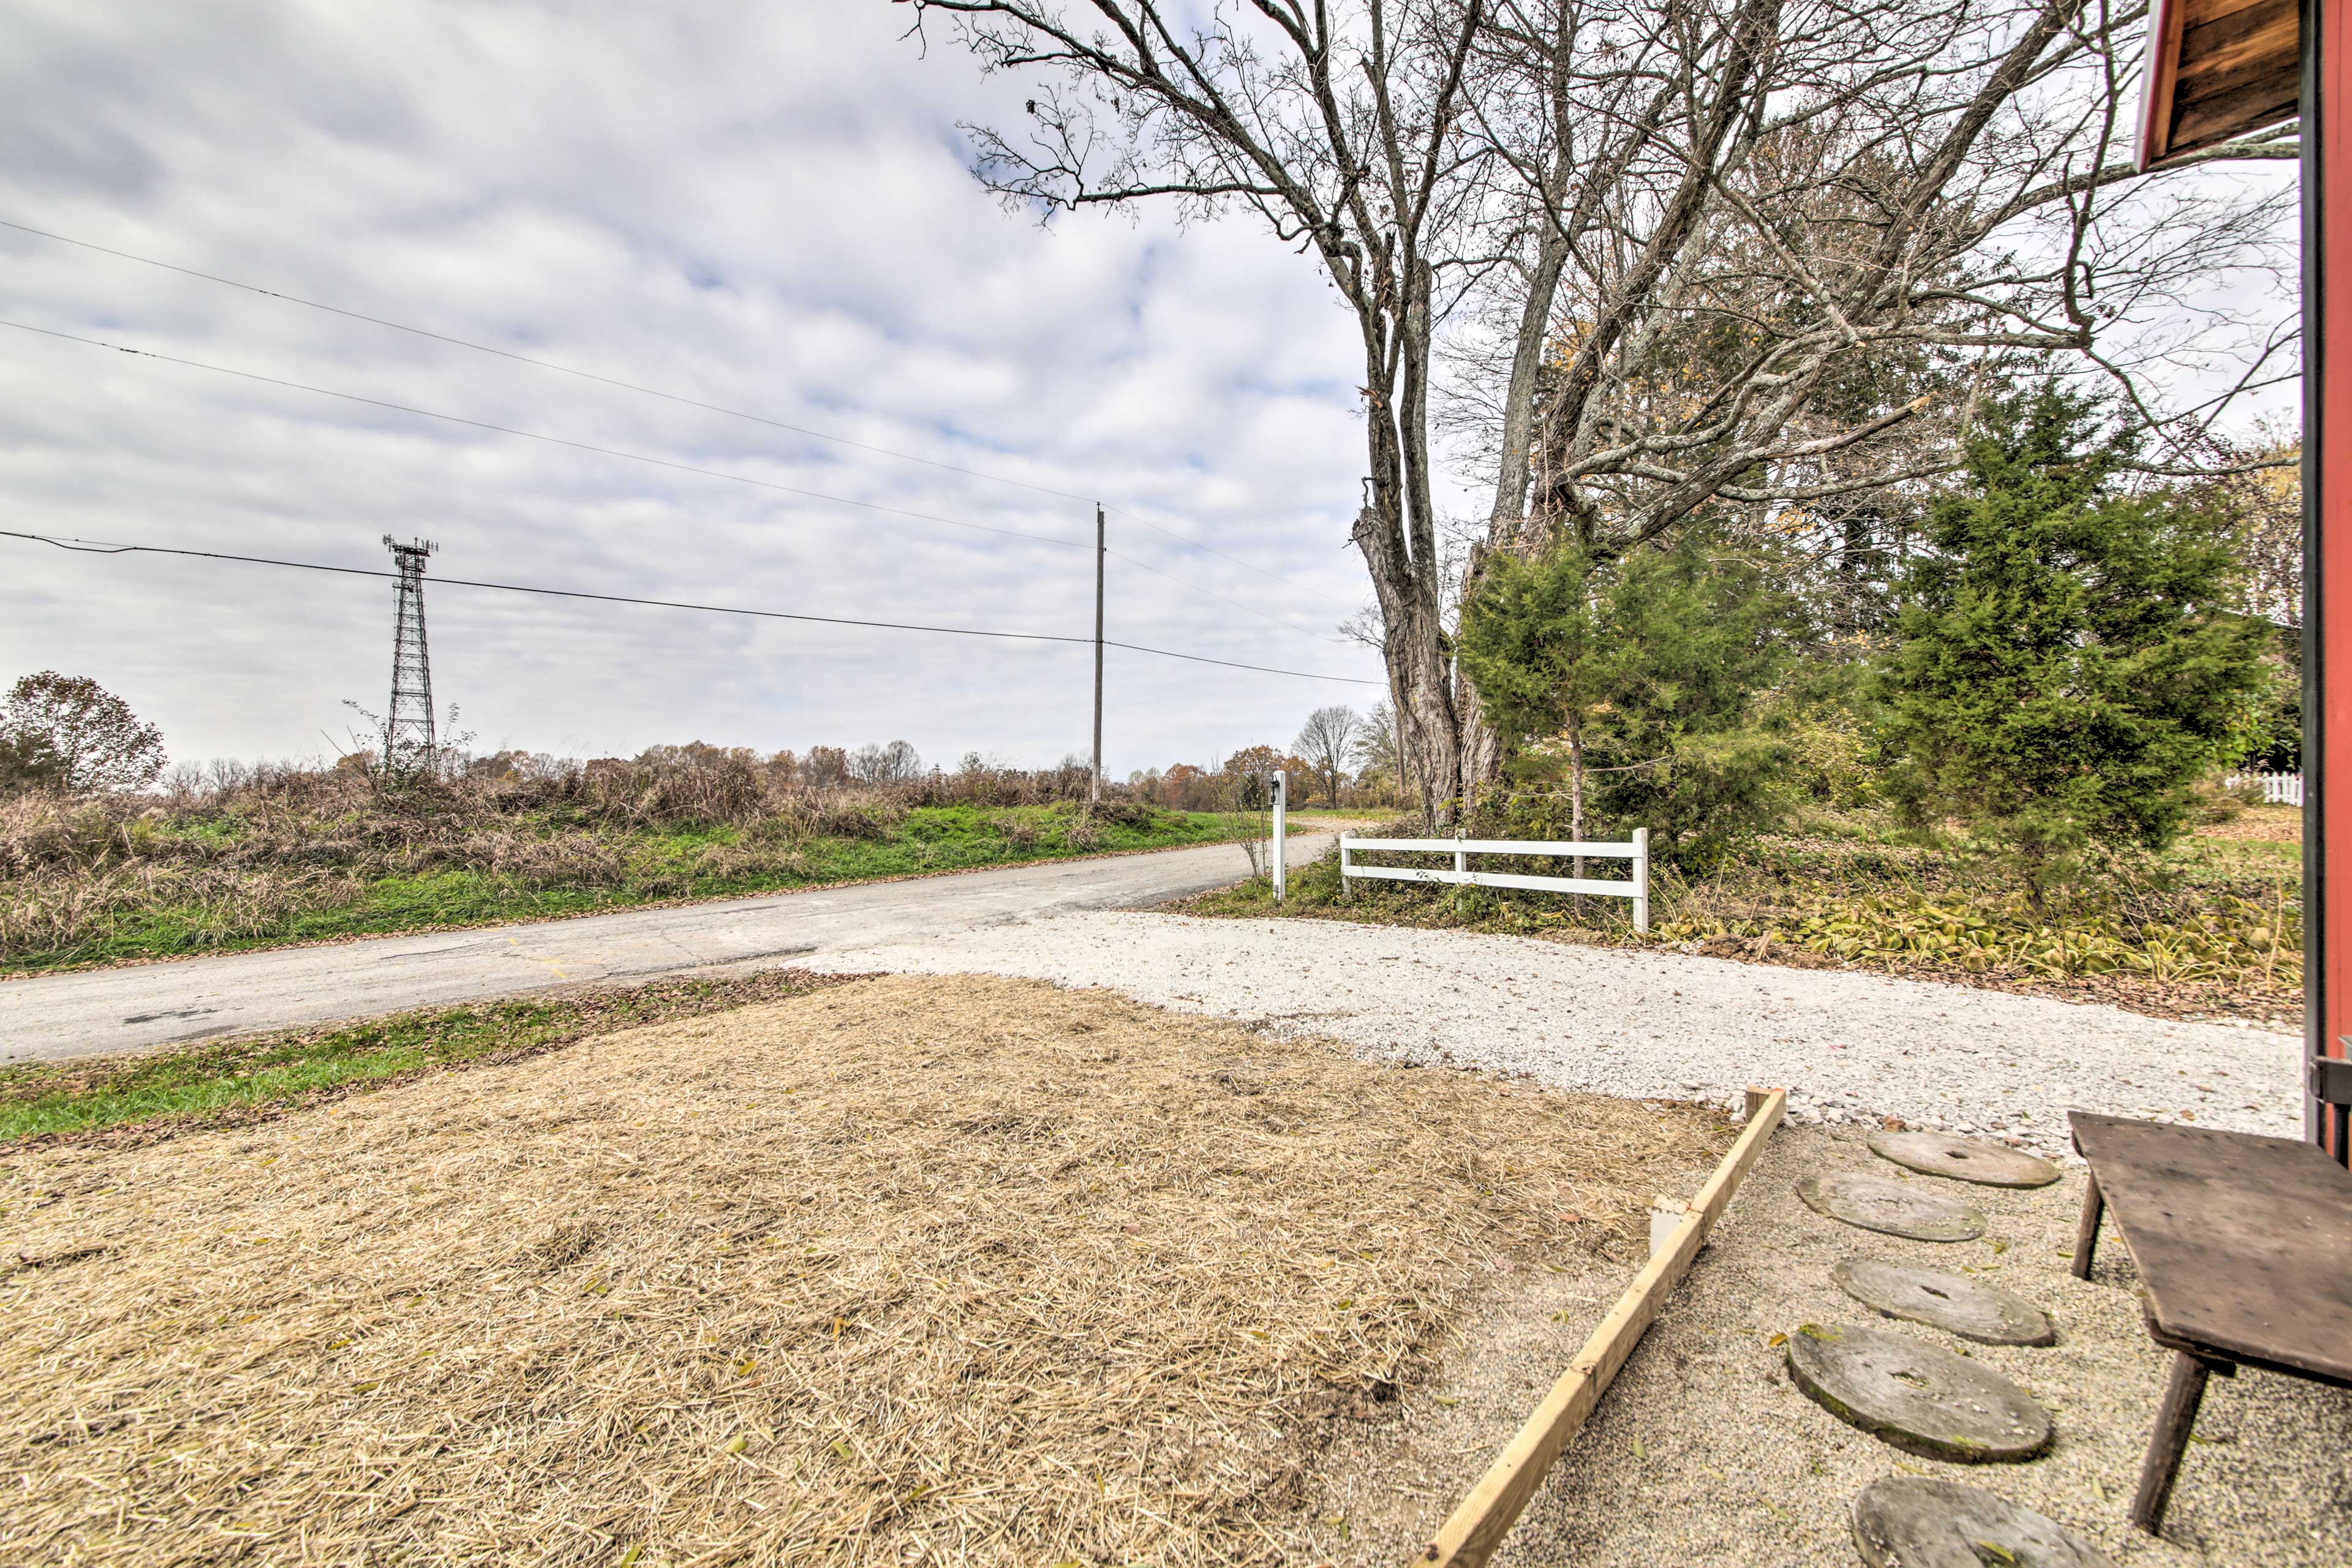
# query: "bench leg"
(2174, 1417)
(2086, 1233)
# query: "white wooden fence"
(2278, 789)
(1636, 887)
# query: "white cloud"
(762, 206)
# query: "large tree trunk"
(1413, 647)
(1397, 533)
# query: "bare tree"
(1764, 253)
(86, 738)
(1342, 126)
(1745, 259)
(1783, 288)
(896, 763)
(2268, 502)
(1379, 749)
(1327, 742)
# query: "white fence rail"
(2278, 789)
(1636, 887)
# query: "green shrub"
(2067, 665)
(1633, 686)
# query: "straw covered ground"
(904, 1270)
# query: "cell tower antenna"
(408, 744)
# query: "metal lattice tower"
(409, 745)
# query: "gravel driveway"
(1851, 1048)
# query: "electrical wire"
(639, 456)
(542, 364)
(673, 397)
(659, 462)
(551, 440)
(1236, 559)
(1213, 593)
(97, 547)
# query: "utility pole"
(408, 741)
(1094, 789)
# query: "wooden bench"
(2243, 1247)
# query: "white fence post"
(1461, 860)
(1345, 891)
(1641, 879)
(1281, 835)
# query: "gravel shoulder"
(1705, 1453)
(1852, 1047)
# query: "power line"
(1211, 593)
(669, 396)
(1230, 664)
(551, 440)
(95, 547)
(1236, 559)
(542, 364)
(642, 457)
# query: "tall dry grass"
(236, 851)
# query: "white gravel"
(1851, 1048)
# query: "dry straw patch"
(906, 1270)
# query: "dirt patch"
(2262, 823)
(908, 1271)
(1705, 1453)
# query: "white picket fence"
(1636, 887)
(2278, 789)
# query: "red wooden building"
(2217, 70)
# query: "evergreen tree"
(2067, 665)
(1637, 680)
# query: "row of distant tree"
(1340, 757)
(70, 736)
(876, 765)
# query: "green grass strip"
(225, 1083)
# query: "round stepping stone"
(1953, 1302)
(1895, 1208)
(1904, 1524)
(1963, 1158)
(1915, 1397)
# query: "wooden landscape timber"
(1471, 1534)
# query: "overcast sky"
(765, 206)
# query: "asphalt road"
(98, 1011)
